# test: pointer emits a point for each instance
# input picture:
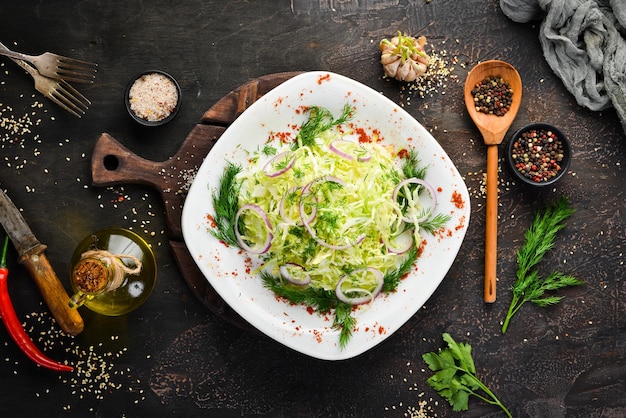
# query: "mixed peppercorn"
(493, 96)
(538, 154)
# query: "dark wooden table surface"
(174, 356)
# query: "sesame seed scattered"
(96, 373)
(435, 80)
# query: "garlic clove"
(388, 58)
(403, 71)
(392, 68)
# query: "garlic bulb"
(403, 57)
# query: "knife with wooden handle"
(32, 255)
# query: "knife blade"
(32, 256)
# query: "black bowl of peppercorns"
(538, 154)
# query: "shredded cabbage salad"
(330, 215)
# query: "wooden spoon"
(493, 128)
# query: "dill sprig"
(538, 240)
(392, 278)
(345, 322)
(411, 167)
(323, 301)
(226, 204)
(320, 120)
(431, 225)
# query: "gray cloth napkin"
(584, 43)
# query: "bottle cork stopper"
(90, 275)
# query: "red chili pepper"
(14, 326)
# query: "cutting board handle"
(112, 163)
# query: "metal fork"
(57, 66)
(59, 91)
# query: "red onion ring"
(402, 242)
(334, 146)
(365, 158)
(277, 159)
(282, 211)
(362, 299)
(431, 190)
(265, 246)
(286, 274)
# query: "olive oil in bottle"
(112, 272)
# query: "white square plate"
(227, 269)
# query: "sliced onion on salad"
(402, 242)
(424, 214)
(363, 295)
(349, 150)
(280, 164)
(283, 209)
(263, 246)
(295, 273)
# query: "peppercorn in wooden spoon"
(493, 93)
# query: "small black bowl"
(145, 120)
(534, 145)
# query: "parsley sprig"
(539, 239)
(455, 376)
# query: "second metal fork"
(57, 66)
(59, 91)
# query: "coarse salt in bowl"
(538, 154)
(153, 98)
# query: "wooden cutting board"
(114, 164)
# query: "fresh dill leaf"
(269, 150)
(345, 322)
(547, 301)
(541, 234)
(392, 278)
(435, 223)
(226, 204)
(411, 167)
(322, 301)
(455, 377)
(538, 240)
(320, 120)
